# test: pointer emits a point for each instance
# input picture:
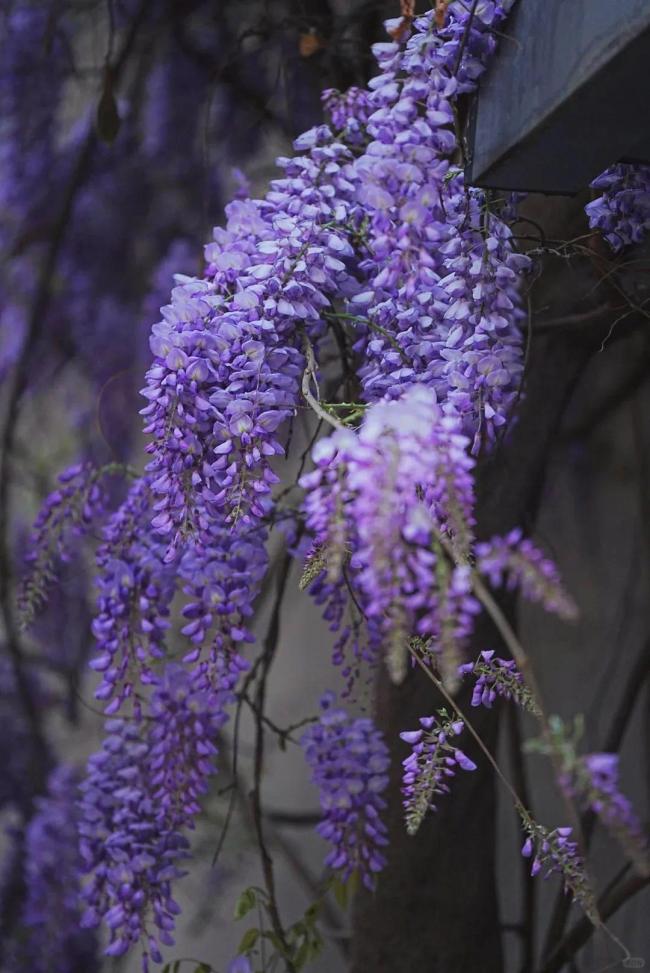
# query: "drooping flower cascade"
(440, 301)
(433, 761)
(555, 852)
(135, 592)
(349, 763)
(390, 507)
(227, 354)
(53, 940)
(66, 514)
(622, 212)
(221, 574)
(132, 856)
(593, 780)
(140, 796)
(498, 677)
(516, 562)
(386, 499)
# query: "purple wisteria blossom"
(349, 112)
(593, 781)
(516, 562)
(556, 852)
(221, 574)
(30, 95)
(622, 212)
(439, 302)
(433, 761)
(388, 499)
(54, 942)
(132, 855)
(140, 796)
(497, 677)
(66, 514)
(136, 588)
(349, 763)
(228, 353)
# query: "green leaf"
(248, 940)
(246, 901)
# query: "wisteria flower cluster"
(431, 765)
(517, 562)
(382, 499)
(140, 797)
(554, 851)
(135, 592)
(391, 509)
(498, 677)
(349, 764)
(600, 791)
(622, 212)
(67, 513)
(52, 938)
(593, 780)
(440, 301)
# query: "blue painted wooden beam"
(567, 94)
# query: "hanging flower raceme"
(439, 302)
(593, 780)
(30, 96)
(140, 796)
(431, 764)
(131, 855)
(136, 588)
(221, 574)
(66, 514)
(498, 677)
(349, 763)
(556, 852)
(515, 561)
(622, 212)
(228, 355)
(53, 940)
(390, 499)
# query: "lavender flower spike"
(349, 764)
(431, 764)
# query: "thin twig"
(268, 654)
(309, 376)
(528, 879)
(452, 702)
(622, 715)
(608, 903)
(520, 656)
